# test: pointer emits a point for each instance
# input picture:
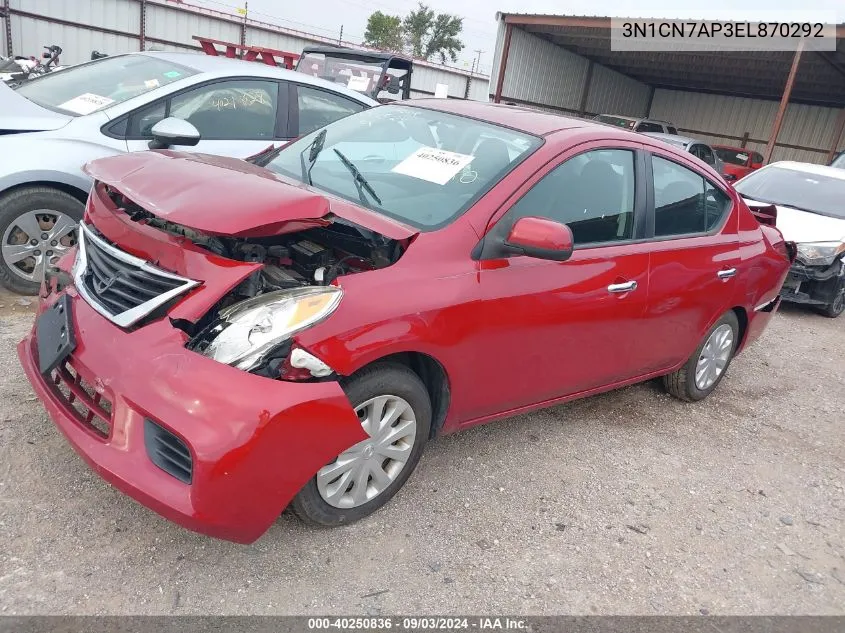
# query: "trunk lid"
(19, 114)
(227, 196)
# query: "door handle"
(628, 286)
(726, 274)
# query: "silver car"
(698, 149)
(51, 126)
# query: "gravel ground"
(625, 503)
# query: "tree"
(384, 32)
(433, 35)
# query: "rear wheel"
(395, 411)
(707, 366)
(37, 226)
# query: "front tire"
(394, 408)
(37, 227)
(837, 306)
(704, 370)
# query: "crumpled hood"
(227, 196)
(802, 226)
(19, 114)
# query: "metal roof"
(756, 74)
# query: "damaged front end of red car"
(165, 348)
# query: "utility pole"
(243, 26)
(477, 64)
(340, 37)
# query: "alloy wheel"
(365, 470)
(35, 240)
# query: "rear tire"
(837, 307)
(398, 386)
(26, 215)
(692, 382)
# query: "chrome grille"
(120, 286)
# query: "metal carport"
(785, 105)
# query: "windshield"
(361, 76)
(618, 121)
(810, 192)
(425, 167)
(90, 87)
(839, 162)
(732, 156)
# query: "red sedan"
(229, 340)
(738, 162)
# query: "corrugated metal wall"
(541, 73)
(726, 120)
(171, 27)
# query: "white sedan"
(810, 201)
(51, 126)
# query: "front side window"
(86, 88)
(318, 108)
(592, 193)
(425, 167)
(229, 110)
(685, 203)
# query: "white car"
(51, 126)
(810, 201)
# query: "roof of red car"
(517, 117)
(733, 148)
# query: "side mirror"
(540, 238)
(173, 131)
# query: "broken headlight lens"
(245, 332)
(819, 253)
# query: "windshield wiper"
(360, 182)
(316, 147)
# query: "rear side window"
(672, 130)
(685, 203)
(318, 108)
(646, 126)
(704, 153)
(592, 193)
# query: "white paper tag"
(432, 164)
(151, 83)
(361, 84)
(86, 104)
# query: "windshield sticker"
(172, 74)
(152, 83)
(742, 157)
(432, 164)
(361, 84)
(86, 103)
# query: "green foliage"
(385, 32)
(422, 33)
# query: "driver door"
(558, 328)
(236, 118)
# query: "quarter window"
(645, 126)
(685, 203)
(592, 193)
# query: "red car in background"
(738, 162)
(229, 340)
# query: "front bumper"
(254, 442)
(812, 285)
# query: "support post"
(784, 101)
(837, 136)
(585, 92)
(503, 63)
(744, 141)
(142, 32)
(7, 18)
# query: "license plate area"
(54, 335)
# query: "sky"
(325, 17)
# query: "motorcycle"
(17, 70)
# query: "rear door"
(695, 258)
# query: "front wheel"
(707, 366)
(395, 411)
(837, 306)
(37, 226)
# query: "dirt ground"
(625, 503)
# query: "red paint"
(512, 334)
(739, 171)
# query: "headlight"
(247, 331)
(819, 253)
